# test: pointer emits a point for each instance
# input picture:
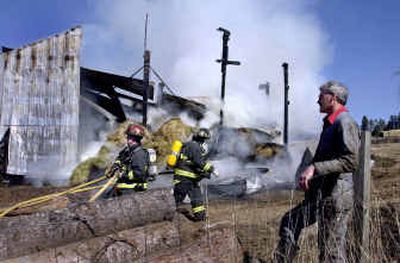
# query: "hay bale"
(267, 150)
(82, 172)
(162, 139)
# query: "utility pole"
(286, 103)
(224, 62)
(146, 75)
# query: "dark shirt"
(337, 152)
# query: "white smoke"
(185, 44)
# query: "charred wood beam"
(109, 102)
(27, 234)
(195, 109)
(104, 82)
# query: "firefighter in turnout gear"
(191, 167)
(132, 164)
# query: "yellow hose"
(44, 198)
(112, 181)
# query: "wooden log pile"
(142, 227)
(124, 246)
(31, 233)
(215, 244)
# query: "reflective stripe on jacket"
(134, 163)
(191, 162)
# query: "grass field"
(256, 218)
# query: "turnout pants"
(332, 214)
(185, 186)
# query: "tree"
(379, 127)
(365, 124)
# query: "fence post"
(362, 198)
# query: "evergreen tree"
(365, 124)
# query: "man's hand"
(305, 177)
(215, 173)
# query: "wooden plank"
(32, 233)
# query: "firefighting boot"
(199, 216)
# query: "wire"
(173, 92)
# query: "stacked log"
(141, 227)
(125, 246)
(159, 242)
(31, 233)
(215, 244)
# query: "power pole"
(224, 62)
(146, 75)
(286, 103)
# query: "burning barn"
(51, 107)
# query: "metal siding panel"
(40, 101)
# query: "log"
(124, 246)
(27, 234)
(217, 244)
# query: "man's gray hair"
(336, 88)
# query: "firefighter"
(190, 169)
(132, 164)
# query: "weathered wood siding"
(39, 101)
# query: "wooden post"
(146, 79)
(362, 198)
(286, 103)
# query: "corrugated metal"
(39, 101)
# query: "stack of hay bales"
(161, 141)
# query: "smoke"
(185, 44)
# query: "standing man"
(132, 164)
(327, 182)
(190, 169)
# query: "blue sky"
(366, 42)
(363, 35)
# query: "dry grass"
(257, 217)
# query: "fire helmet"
(135, 130)
(202, 134)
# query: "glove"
(216, 173)
(206, 175)
(112, 170)
(139, 187)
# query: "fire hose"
(45, 198)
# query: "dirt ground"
(256, 218)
